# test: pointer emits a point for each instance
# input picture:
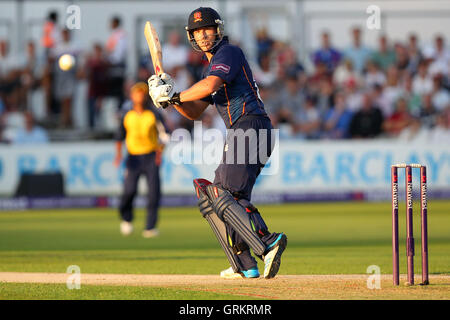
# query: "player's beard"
(212, 43)
(206, 45)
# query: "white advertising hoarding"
(317, 166)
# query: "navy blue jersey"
(239, 95)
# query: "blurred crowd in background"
(397, 90)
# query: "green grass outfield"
(324, 239)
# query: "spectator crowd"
(25, 78)
(395, 90)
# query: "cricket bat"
(154, 46)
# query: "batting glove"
(174, 99)
(163, 78)
(167, 79)
(154, 81)
(160, 94)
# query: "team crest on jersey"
(197, 16)
(220, 67)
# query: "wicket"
(409, 222)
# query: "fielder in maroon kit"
(228, 83)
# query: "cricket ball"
(66, 62)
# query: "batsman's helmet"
(204, 17)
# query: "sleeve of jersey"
(208, 99)
(121, 132)
(226, 63)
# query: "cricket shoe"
(272, 260)
(126, 228)
(230, 274)
(152, 233)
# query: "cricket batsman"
(228, 83)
